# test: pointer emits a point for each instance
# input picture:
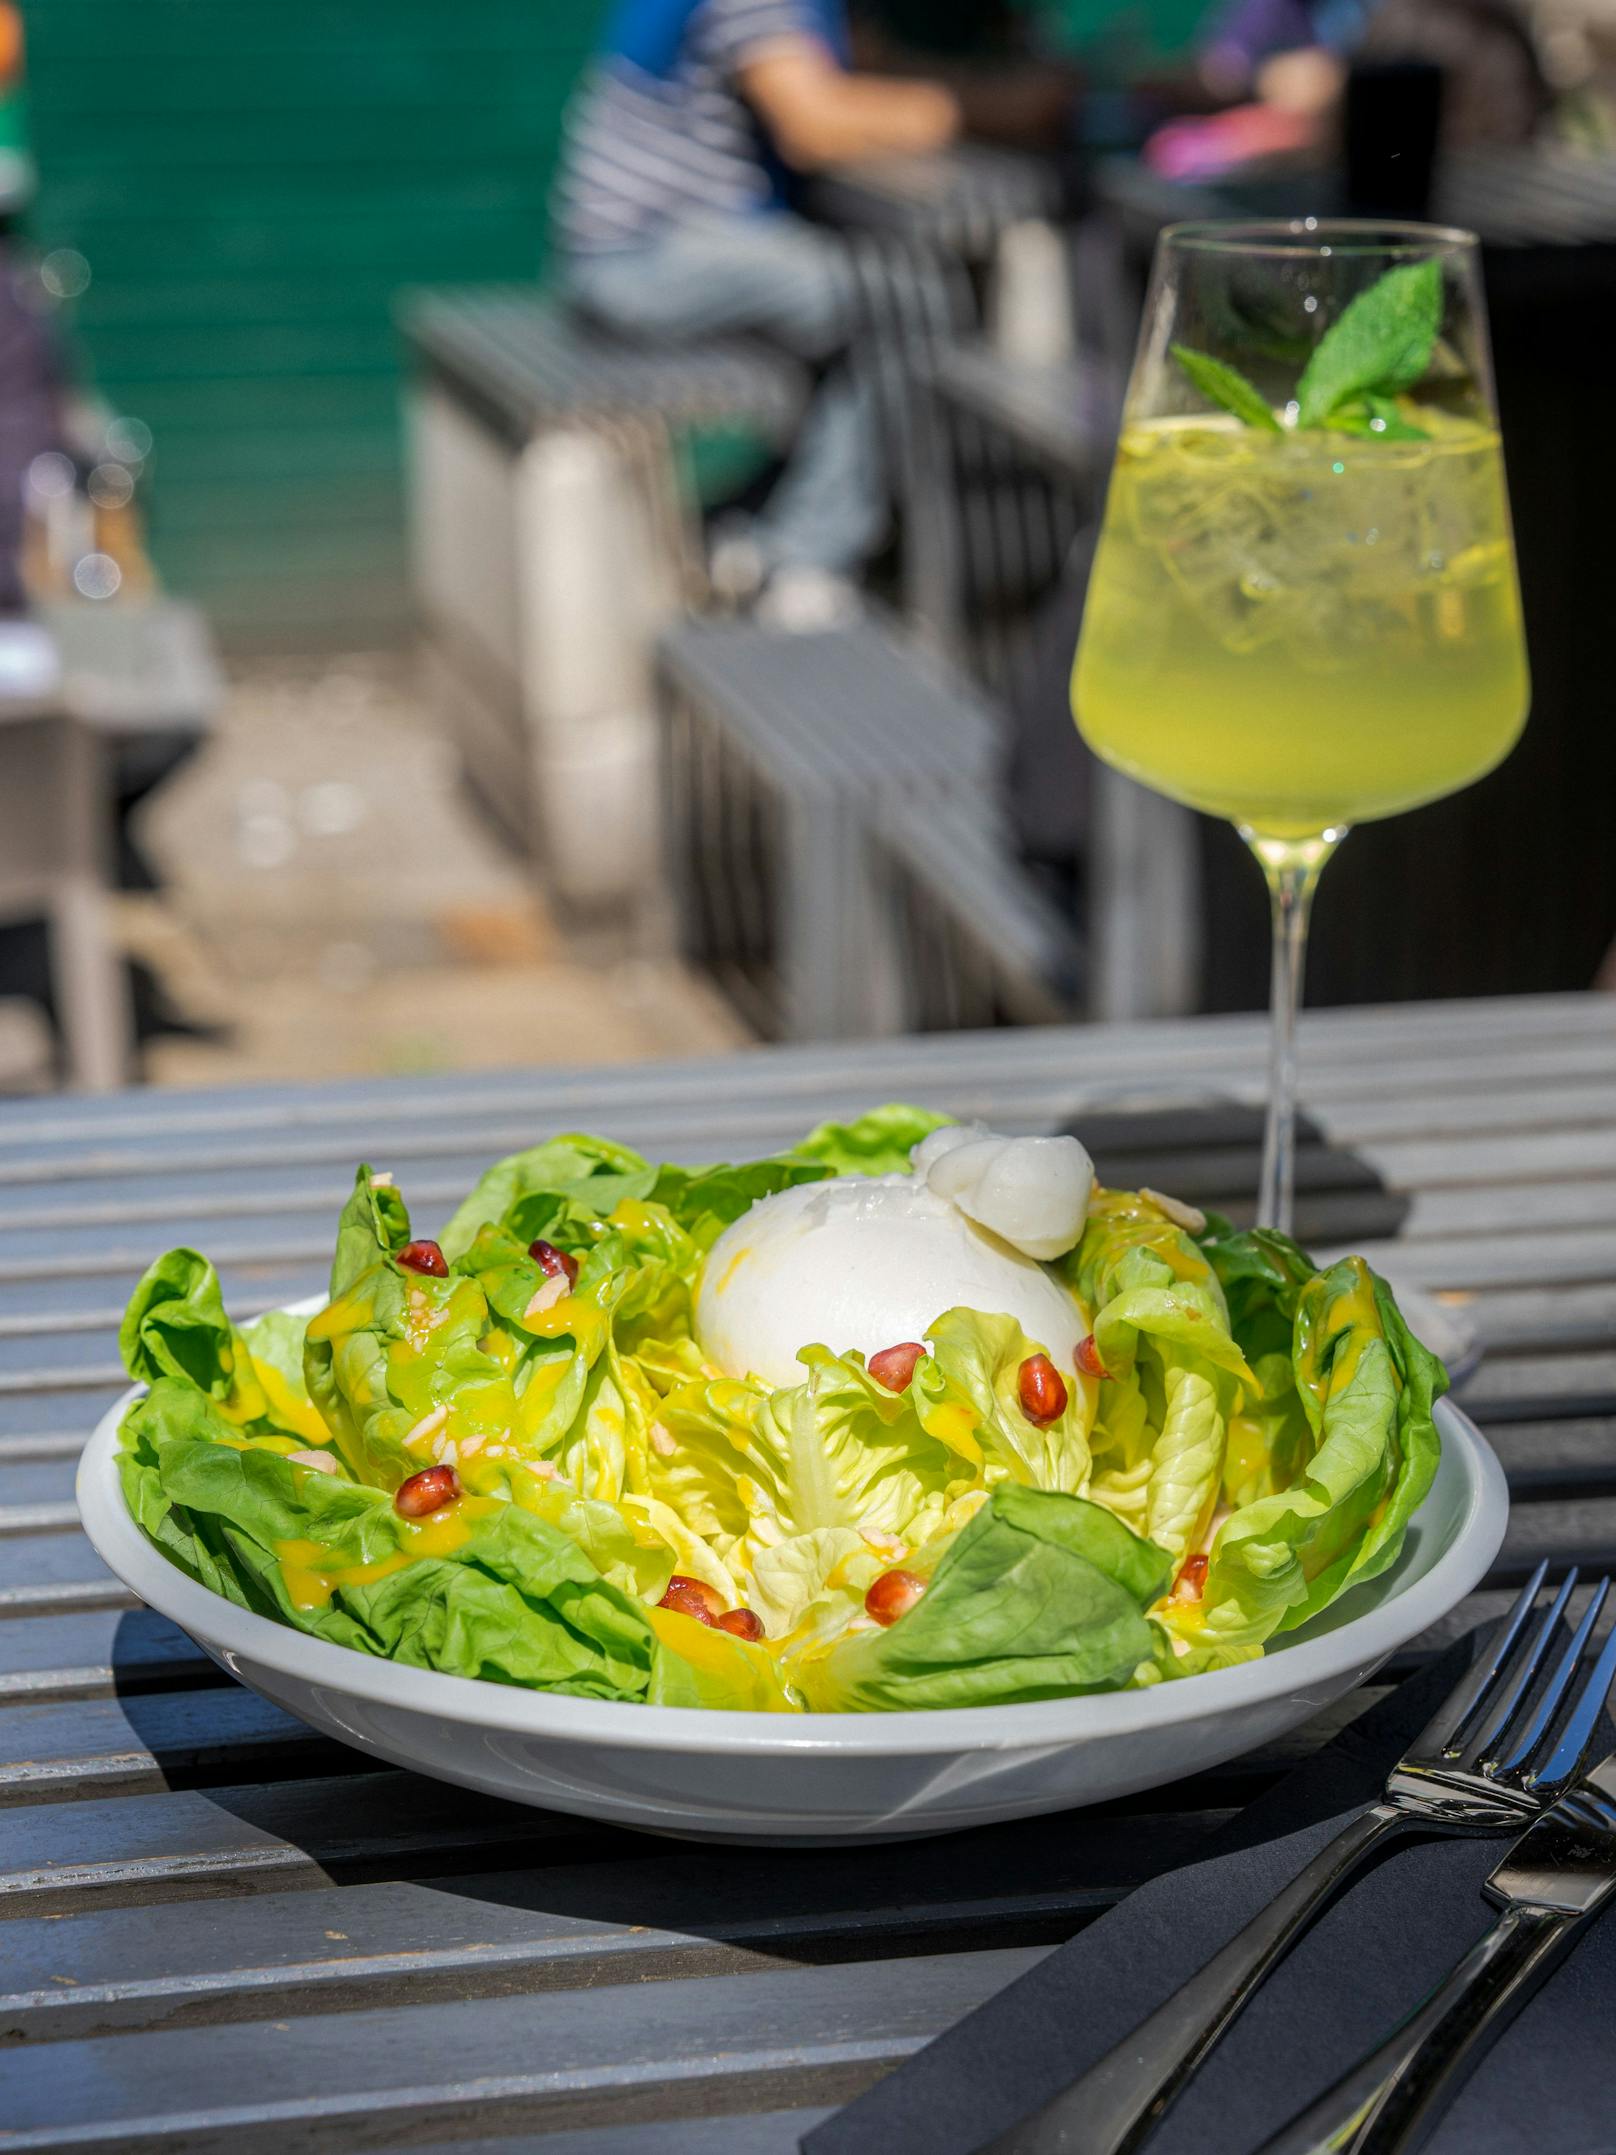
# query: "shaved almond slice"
(427, 1427)
(322, 1462)
(662, 1441)
(1190, 1217)
(555, 1289)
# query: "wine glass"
(1304, 611)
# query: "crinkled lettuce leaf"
(487, 1589)
(967, 1397)
(1366, 1388)
(877, 1143)
(1175, 1373)
(590, 1174)
(1039, 1596)
(566, 1190)
(808, 1491)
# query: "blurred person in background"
(672, 222)
(1281, 67)
(30, 364)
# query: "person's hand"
(816, 114)
(1306, 82)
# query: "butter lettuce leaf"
(486, 1589)
(375, 1221)
(1175, 1373)
(569, 1188)
(967, 1394)
(1366, 1388)
(789, 1486)
(878, 1143)
(1039, 1596)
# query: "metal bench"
(977, 941)
(814, 789)
(551, 538)
(114, 683)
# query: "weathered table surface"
(228, 1934)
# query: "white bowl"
(826, 1777)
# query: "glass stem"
(1292, 867)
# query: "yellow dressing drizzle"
(635, 1218)
(579, 1320)
(1353, 1312)
(953, 1423)
(351, 1312)
(312, 1578)
(286, 1408)
(312, 1575)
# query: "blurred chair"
(55, 840)
(834, 837)
(552, 538)
(87, 687)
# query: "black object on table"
(1371, 1958)
(1391, 116)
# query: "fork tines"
(1512, 1722)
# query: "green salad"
(537, 1450)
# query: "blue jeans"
(791, 283)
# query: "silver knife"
(1555, 1879)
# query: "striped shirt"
(658, 134)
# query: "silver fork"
(1554, 1881)
(1464, 1773)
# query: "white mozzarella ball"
(864, 1262)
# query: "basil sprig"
(1380, 346)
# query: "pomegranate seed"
(893, 1595)
(1191, 1579)
(893, 1367)
(426, 1492)
(1087, 1358)
(555, 1262)
(1042, 1389)
(424, 1257)
(739, 1623)
(692, 1597)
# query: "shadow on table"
(1209, 1153)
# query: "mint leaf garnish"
(1376, 418)
(1223, 385)
(1382, 342)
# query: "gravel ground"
(333, 900)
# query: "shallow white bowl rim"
(1295, 1669)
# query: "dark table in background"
(229, 1936)
(960, 199)
(1510, 886)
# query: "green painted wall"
(251, 182)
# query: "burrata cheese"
(864, 1262)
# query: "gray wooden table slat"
(129, 1849)
(566, 1925)
(1511, 1088)
(1439, 1040)
(724, 2042)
